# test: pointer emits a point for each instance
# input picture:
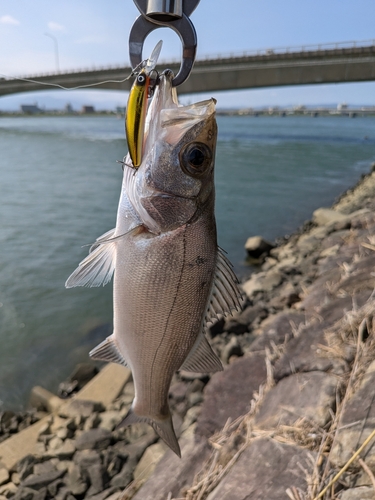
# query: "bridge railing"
(321, 47)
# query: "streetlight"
(56, 50)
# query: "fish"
(137, 106)
(171, 279)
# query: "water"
(60, 186)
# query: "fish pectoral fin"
(96, 269)
(225, 294)
(202, 358)
(163, 427)
(108, 351)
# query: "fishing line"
(62, 86)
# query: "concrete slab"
(104, 388)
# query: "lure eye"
(141, 79)
(195, 158)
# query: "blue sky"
(95, 33)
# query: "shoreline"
(307, 285)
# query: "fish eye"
(141, 79)
(195, 158)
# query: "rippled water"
(60, 185)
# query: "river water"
(60, 185)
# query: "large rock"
(265, 470)
(278, 328)
(303, 395)
(262, 282)
(306, 353)
(94, 439)
(172, 474)
(325, 216)
(362, 493)
(360, 411)
(228, 393)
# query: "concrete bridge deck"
(334, 63)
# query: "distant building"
(30, 109)
(120, 110)
(68, 108)
(342, 106)
(85, 110)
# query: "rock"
(80, 408)
(277, 328)
(44, 467)
(303, 395)
(64, 494)
(83, 373)
(4, 475)
(25, 466)
(360, 411)
(54, 487)
(109, 419)
(76, 481)
(25, 493)
(42, 399)
(172, 474)
(228, 393)
(325, 216)
(178, 391)
(258, 247)
(98, 479)
(8, 490)
(305, 354)
(232, 325)
(262, 282)
(264, 471)
(149, 460)
(55, 443)
(36, 482)
(97, 439)
(362, 493)
(233, 348)
(103, 495)
(125, 476)
(252, 313)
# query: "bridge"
(326, 63)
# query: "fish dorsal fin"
(225, 295)
(108, 351)
(202, 358)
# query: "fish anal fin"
(108, 351)
(162, 426)
(202, 358)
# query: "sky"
(94, 33)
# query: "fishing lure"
(137, 106)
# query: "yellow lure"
(136, 117)
(137, 107)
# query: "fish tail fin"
(163, 427)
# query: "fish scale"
(170, 277)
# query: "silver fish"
(170, 277)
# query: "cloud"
(55, 26)
(9, 20)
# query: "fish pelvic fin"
(108, 351)
(162, 426)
